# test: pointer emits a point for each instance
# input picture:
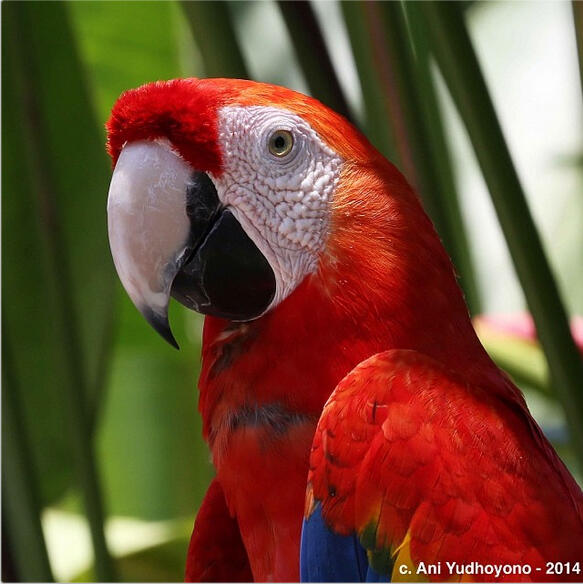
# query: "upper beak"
(149, 229)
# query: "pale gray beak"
(148, 226)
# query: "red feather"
(407, 451)
(216, 552)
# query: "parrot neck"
(386, 271)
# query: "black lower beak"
(225, 274)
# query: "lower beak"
(170, 235)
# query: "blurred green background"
(100, 431)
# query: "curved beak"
(149, 229)
(170, 236)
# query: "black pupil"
(279, 142)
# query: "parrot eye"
(280, 143)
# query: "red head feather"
(185, 112)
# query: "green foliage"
(160, 563)
(58, 196)
(124, 45)
(96, 408)
(457, 60)
(308, 42)
(151, 408)
(48, 200)
(212, 27)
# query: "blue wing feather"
(328, 557)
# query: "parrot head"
(228, 194)
(221, 194)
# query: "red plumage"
(412, 456)
(183, 111)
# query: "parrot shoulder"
(414, 464)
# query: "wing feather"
(425, 467)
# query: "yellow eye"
(280, 143)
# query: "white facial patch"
(282, 202)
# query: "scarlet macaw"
(343, 388)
